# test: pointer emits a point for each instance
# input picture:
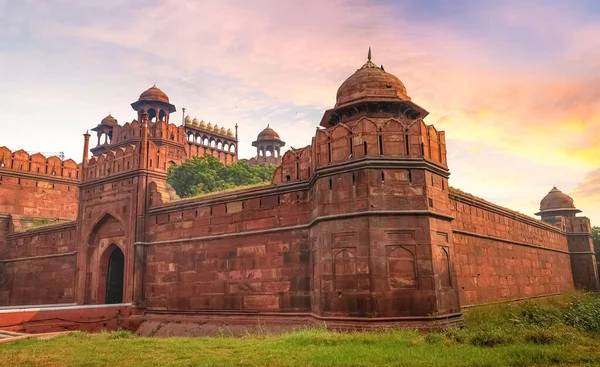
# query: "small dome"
(195, 122)
(209, 126)
(202, 124)
(216, 128)
(370, 83)
(556, 200)
(154, 94)
(188, 120)
(223, 131)
(109, 120)
(229, 132)
(268, 134)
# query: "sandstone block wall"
(38, 266)
(503, 255)
(34, 186)
(262, 269)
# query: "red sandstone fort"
(360, 228)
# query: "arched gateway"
(114, 276)
(105, 268)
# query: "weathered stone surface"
(361, 223)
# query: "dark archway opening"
(114, 277)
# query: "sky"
(515, 84)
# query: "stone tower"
(558, 209)
(114, 195)
(268, 147)
(383, 245)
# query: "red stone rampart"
(335, 236)
(37, 187)
(38, 266)
(504, 255)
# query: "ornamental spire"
(369, 55)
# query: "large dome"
(268, 134)
(371, 83)
(154, 94)
(556, 200)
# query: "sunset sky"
(515, 84)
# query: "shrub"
(121, 334)
(541, 336)
(583, 315)
(434, 338)
(489, 338)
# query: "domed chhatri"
(153, 98)
(223, 131)
(188, 120)
(109, 120)
(195, 122)
(202, 124)
(209, 126)
(154, 94)
(268, 147)
(268, 134)
(557, 203)
(229, 133)
(370, 82)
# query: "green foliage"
(596, 237)
(201, 175)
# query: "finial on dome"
(382, 69)
(369, 55)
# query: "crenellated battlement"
(37, 165)
(364, 138)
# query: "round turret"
(557, 203)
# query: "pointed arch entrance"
(115, 272)
(106, 276)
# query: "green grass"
(559, 331)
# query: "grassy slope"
(524, 334)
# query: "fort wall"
(335, 237)
(503, 255)
(36, 187)
(38, 266)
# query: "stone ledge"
(302, 226)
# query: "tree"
(201, 175)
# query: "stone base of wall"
(167, 323)
(56, 318)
